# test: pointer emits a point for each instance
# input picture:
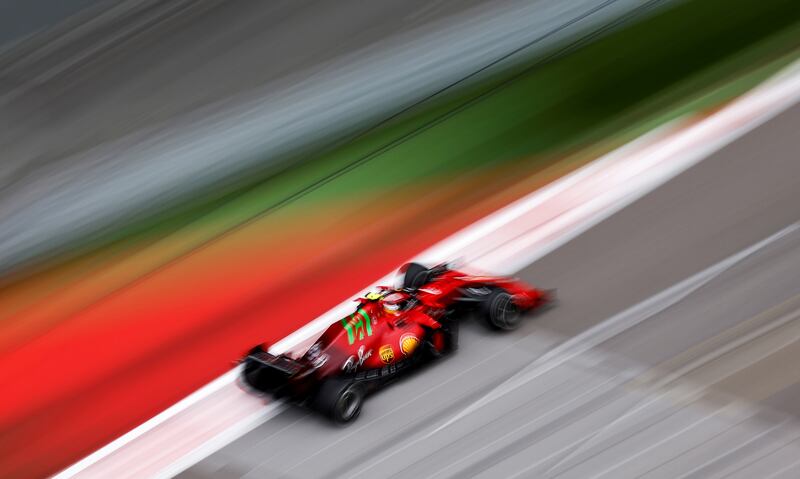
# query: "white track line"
(504, 241)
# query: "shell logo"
(408, 343)
(386, 353)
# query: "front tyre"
(500, 311)
(415, 275)
(340, 400)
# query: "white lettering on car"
(353, 362)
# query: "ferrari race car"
(390, 332)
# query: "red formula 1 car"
(390, 332)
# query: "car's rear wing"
(269, 373)
(281, 363)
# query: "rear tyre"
(500, 311)
(340, 400)
(416, 276)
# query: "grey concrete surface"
(127, 110)
(705, 388)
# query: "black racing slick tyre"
(415, 275)
(340, 400)
(500, 311)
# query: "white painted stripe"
(223, 381)
(218, 442)
(736, 450)
(607, 193)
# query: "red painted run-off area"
(132, 353)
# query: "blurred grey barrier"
(140, 105)
(21, 18)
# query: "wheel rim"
(507, 311)
(349, 404)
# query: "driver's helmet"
(394, 303)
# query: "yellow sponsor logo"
(408, 343)
(386, 353)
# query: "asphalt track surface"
(703, 382)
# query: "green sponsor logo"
(357, 325)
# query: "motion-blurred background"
(174, 175)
